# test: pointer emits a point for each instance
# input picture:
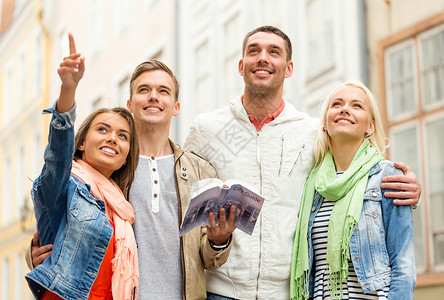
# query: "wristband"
(220, 247)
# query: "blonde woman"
(351, 242)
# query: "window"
(435, 191)
(96, 19)
(405, 147)
(7, 194)
(63, 44)
(20, 193)
(5, 279)
(232, 42)
(37, 156)
(37, 72)
(123, 91)
(432, 68)
(202, 77)
(22, 82)
(19, 279)
(414, 75)
(122, 15)
(400, 79)
(8, 95)
(320, 31)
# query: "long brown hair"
(125, 175)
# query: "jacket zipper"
(297, 159)
(282, 154)
(261, 216)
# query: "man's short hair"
(152, 65)
(270, 29)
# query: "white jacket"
(276, 161)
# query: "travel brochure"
(209, 195)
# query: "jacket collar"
(375, 169)
(290, 113)
(178, 152)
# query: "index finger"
(398, 178)
(41, 250)
(72, 44)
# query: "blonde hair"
(375, 138)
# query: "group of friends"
(336, 222)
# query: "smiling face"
(264, 65)
(153, 98)
(348, 116)
(107, 143)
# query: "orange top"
(101, 288)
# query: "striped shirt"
(351, 289)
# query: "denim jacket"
(69, 217)
(381, 247)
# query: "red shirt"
(101, 288)
(267, 119)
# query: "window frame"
(432, 275)
(421, 37)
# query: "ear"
(324, 127)
(371, 128)
(241, 67)
(289, 69)
(128, 105)
(82, 147)
(176, 108)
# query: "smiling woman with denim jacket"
(78, 200)
(351, 241)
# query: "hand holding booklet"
(210, 194)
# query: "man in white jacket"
(263, 140)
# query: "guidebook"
(211, 194)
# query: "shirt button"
(184, 174)
(58, 124)
(313, 208)
(374, 194)
(184, 169)
(154, 169)
(152, 157)
(155, 181)
(155, 195)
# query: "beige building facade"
(406, 59)
(23, 90)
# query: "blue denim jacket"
(69, 217)
(381, 246)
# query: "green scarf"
(348, 190)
